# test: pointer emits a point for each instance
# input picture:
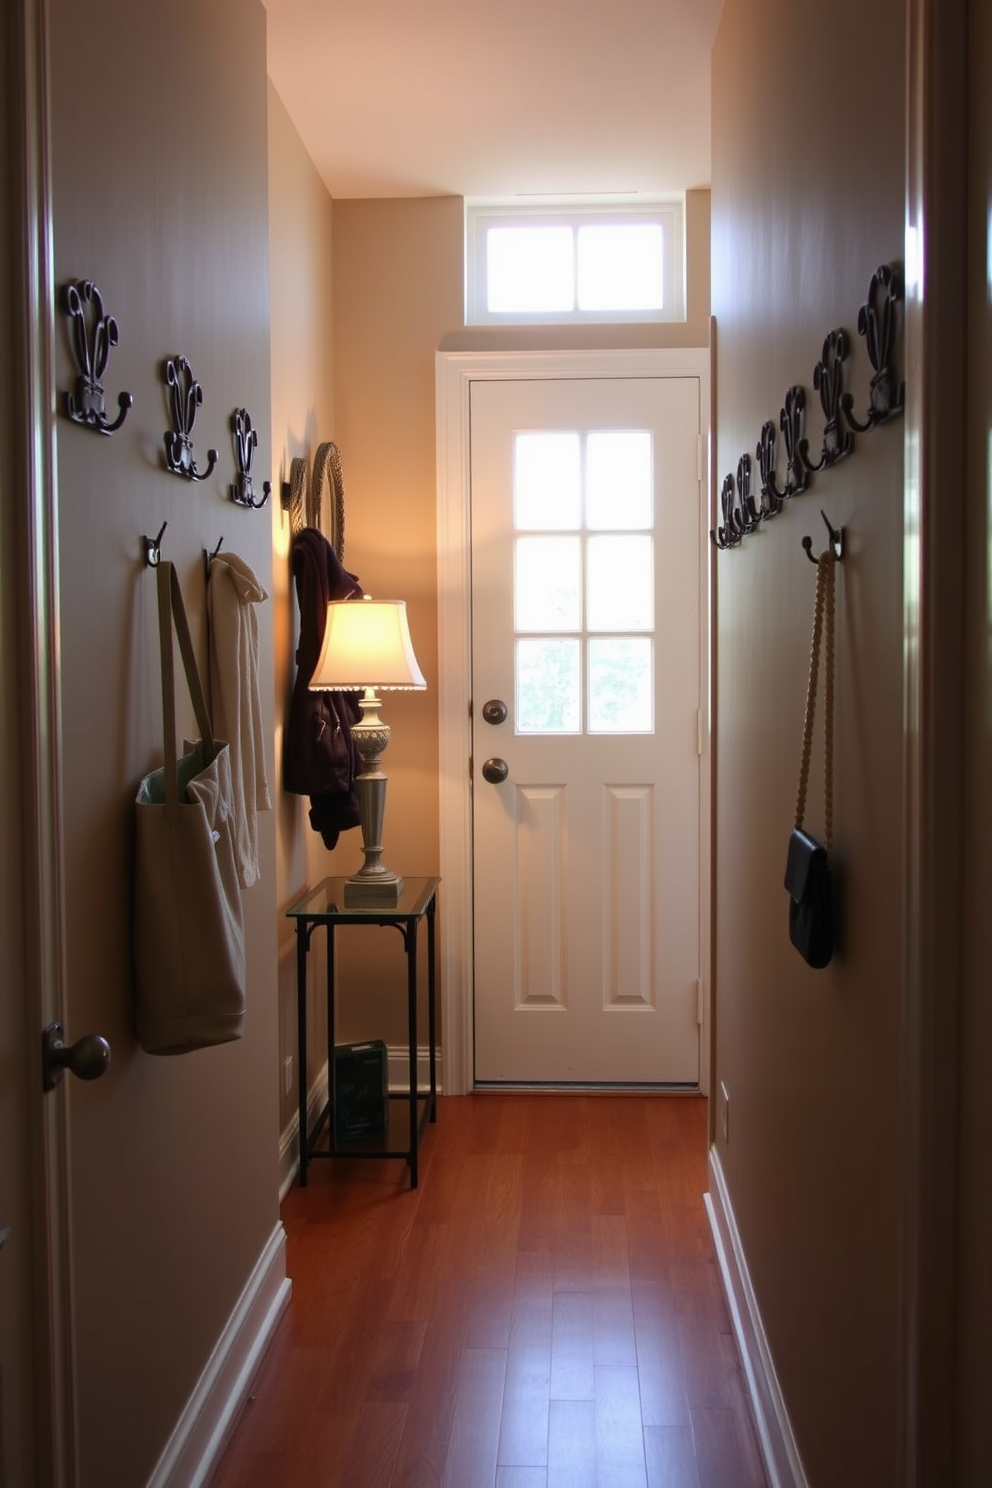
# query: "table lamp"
(367, 646)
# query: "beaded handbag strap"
(823, 621)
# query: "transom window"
(583, 584)
(553, 262)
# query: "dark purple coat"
(319, 757)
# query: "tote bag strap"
(823, 621)
(172, 609)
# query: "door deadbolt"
(494, 711)
(87, 1058)
(495, 771)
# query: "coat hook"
(209, 557)
(245, 444)
(185, 397)
(836, 541)
(153, 548)
(94, 333)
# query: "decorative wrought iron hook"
(245, 444)
(792, 422)
(185, 397)
(877, 323)
(746, 514)
(765, 453)
(828, 379)
(836, 536)
(727, 536)
(92, 335)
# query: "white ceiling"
(498, 97)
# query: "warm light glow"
(367, 644)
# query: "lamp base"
(385, 889)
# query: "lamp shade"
(367, 644)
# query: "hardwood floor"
(545, 1311)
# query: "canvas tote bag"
(189, 941)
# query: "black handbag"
(807, 865)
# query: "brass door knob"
(494, 711)
(495, 771)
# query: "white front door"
(586, 625)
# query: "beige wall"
(397, 290)
(159, 178)
(801, 218)
(300, 248)
(974, 1421)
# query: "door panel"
(585, 617)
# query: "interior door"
(586, 730)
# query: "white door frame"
(455, 372)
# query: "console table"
(409, 1110)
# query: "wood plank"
(521, 1477)
(523, 1430)
(471, 1459)
(670, 1456)
(371, 1450)
(393, 1372)
(572, 1444)
(613, 1326)
(619, 1435)
(659, 1357)
(572, 1359)
(533, 1298)
(722, 1456)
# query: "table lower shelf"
(395, 1141)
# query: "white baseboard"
(289, 1145)
(783, 1464)
(399, 1067)
(202, 1432)
(398, 1074)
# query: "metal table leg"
(431, 1008)
(302, 946)
(411, 964)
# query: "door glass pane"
(620, 685)
(530, 268)
(621, 267)
(620, 583)
(618, 479)
(548, 696)
(547, 584)
(546, 482)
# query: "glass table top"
(326, 902)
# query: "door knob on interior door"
(494, 711)
(495, 771)
(87, 1058)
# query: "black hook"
(209, 557)
(836, 541)
(153, 548)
